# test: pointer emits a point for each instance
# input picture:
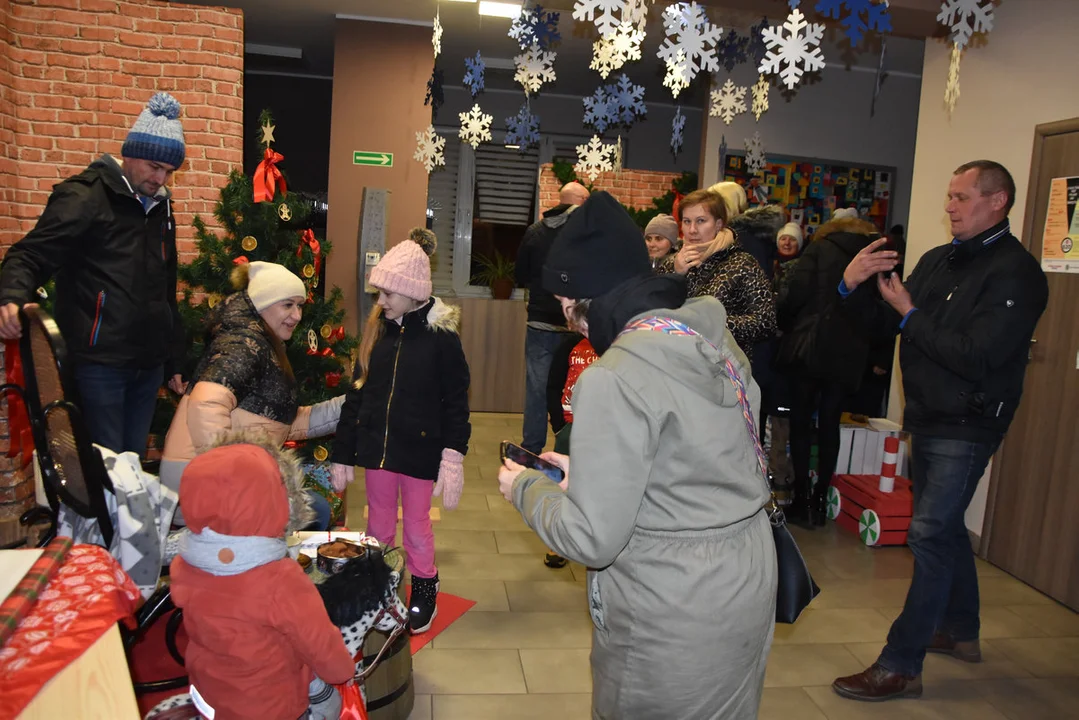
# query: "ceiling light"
(274, 50)
(500, 9)
(514, 147)
(467, 1)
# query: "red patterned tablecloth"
(88, 594)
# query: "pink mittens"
(451, 478)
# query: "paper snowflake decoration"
(535, 26)
(616, 162)
(755, 159)
(636, 13)
(475, 126)
(690, 36)
(966, 17)
(436, 36)
(613, 52)
(436, 96)
(951, 88)
(606, 14)
(732, 50)
(790, 52)
(862, 16)
(760, 96)
(429, 145)
(728, 101)
(534, 67)
(756, 49)
(593, 158)
(617, 103)
(474, 69)
(522, 129)
(678, 126)
(675, 77)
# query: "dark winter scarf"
(610, 312)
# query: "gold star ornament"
(267, 134)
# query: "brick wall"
(74, 74)
(635, 188)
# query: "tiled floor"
(522, 651)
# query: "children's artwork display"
(811, 190)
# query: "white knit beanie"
(848, 213)
(268, 283)
(792, 229)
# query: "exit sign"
(378, 159)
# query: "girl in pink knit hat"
(405, 419)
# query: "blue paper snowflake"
(474, 69)
(600, 111)
(756, 48)
(678, 125)
(862, 16)
(793, 3)
(732, 50)
(620, 102)
(522, 129)
(534, 26)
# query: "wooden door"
(1032, 519)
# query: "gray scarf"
(202, 550)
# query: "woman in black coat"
(824, 351)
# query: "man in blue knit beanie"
(108, 236)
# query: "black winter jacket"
(823, 339)
(756, 229)
(964, 350)
(115, 268)
(531, 256)
(415, 400)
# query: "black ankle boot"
(421, 605)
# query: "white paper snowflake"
(436, 36)
(692, 37)
(755, 159)
(429, 145)
(966, 17)
(951, 88)
(675, 77)
(606, 14)
(475, 126)
(792, 54)
(534, 67)
(728, 101)
(613, 52)
(760, 96)
(636, 13)
(678, 126)
(593, 158)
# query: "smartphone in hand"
(519, 455)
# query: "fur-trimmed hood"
(441, 316)
(850, 226)
(300, 513)
(765, 220)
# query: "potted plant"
(496, 273)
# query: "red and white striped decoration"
(887, 468)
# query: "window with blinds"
(504, 201)
(442, 204)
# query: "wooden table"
(97, 686)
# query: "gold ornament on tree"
(325, 331)
(284, 212)
(321, 453)
(212, 300)
(267, 134)
(308, 270)
(249, 243)
(312, 340)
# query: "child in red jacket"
(260, 637)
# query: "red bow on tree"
(307, 237)
(324, 352)
(239, 260)
(337, 335)
(267, 176)
(333, 379)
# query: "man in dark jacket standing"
(546, 324)
(108, 235)
(966, 317)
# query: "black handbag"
(796, 588)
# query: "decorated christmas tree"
(260, 220)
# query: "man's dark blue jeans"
(118, 404)
(540, 346)
(943, 593)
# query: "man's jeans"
(943, 594)
(118, 404)
(540, 346)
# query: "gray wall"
(647, 142)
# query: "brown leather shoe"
(876, 684)
(966, 650)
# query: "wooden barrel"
(390, 692)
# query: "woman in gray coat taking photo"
(666, 501)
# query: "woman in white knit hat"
(244, 379)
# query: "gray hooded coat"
(666, 502)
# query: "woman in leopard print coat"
(716, 264)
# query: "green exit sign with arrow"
(379, 159)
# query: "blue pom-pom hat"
(157, 133)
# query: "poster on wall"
(812, 191)
(1059, 251)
